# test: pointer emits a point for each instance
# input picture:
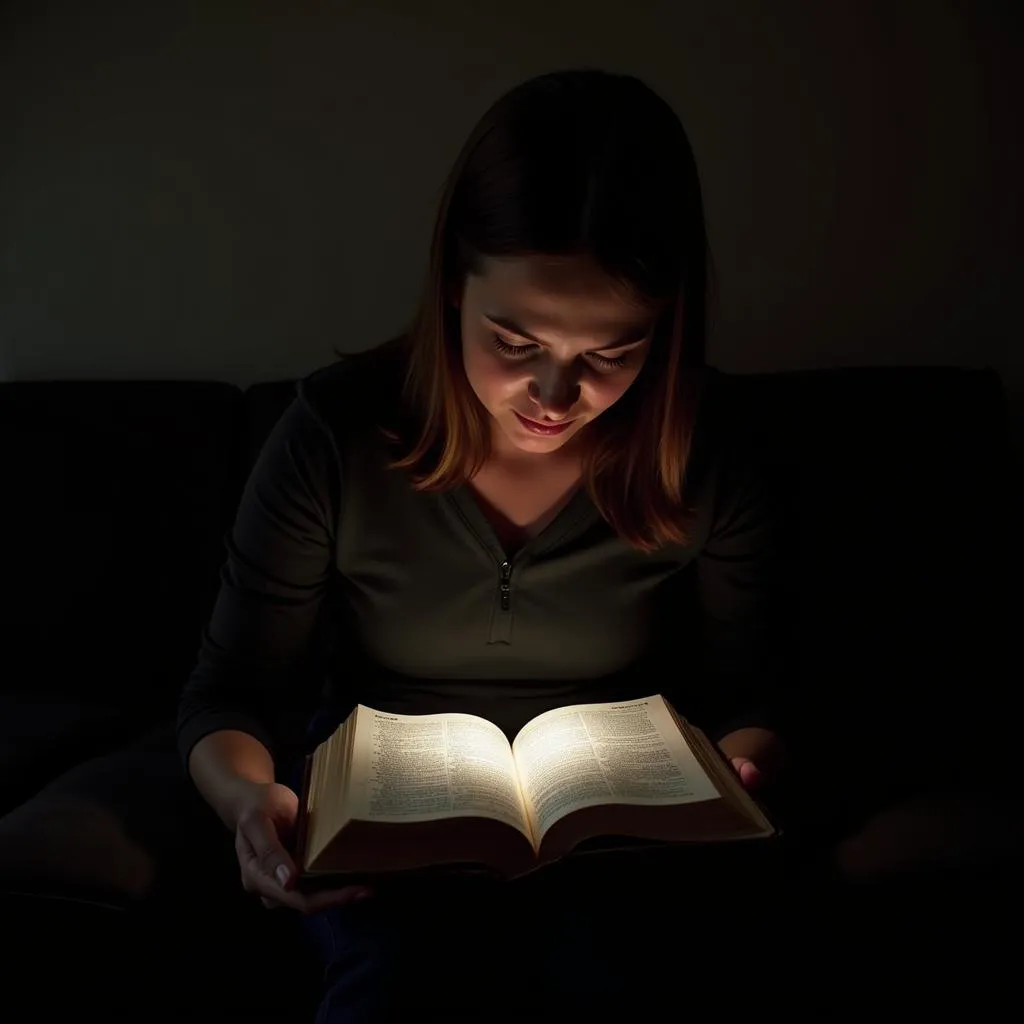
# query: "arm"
(225, 766)
(255, 649)
(741, 576)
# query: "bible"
(390, 793)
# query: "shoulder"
(355, 393)
(717, 431)
(723, 415)
(726, 432)
(729, 451)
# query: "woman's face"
(548, 344)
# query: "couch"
(902, 488)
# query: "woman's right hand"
(266, 814)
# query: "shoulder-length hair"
(573, 162)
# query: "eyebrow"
(632, 337)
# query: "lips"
(546, 429)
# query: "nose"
(554, 391)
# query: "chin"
(540, 444)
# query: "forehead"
(563, 293)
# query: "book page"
(425, 767)
(620, 752)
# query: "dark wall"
(227, 190)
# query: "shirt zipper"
(501, 612)
(505, 586)
(500, 628)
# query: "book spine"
(302, 821)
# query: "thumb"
(749, 773)
(271, 856)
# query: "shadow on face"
(549, 343)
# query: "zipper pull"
(506, 572)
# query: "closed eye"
(608, 360)
(512, 351)
(521, 351)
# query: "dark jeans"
(581, 940)
(586, 935)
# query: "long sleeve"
(255, 649)
(743, 601)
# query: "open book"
(388, 792)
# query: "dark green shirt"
(342, 584)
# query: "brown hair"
(574, 162)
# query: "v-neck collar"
(572, 514)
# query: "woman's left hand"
(755, 754)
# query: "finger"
(336, 898)
(310, 905)
(273, 895)
(272, 857)
(314, 903)
(255, 880)
(749, 773)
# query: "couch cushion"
(117, 496)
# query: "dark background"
(229, 190)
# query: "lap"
(574, 936)
(413, 947)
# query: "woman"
(528, 500)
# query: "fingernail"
(281, 872)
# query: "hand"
(755, 754)
(266, 814)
